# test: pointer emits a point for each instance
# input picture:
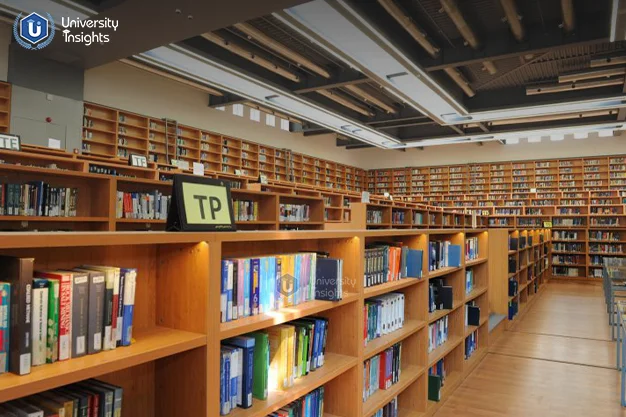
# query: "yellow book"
(279, 341)
(291, 337)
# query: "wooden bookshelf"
(544, 175)
(115, 133)
(5, 107)
(173, 365)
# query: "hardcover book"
(39, 320)
(19, 273)
(64, 347)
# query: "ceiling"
(496, 62)
(406, 72)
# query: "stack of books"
(295, 213)
(437, 333)
(436, 380)
(145, 206)
(443, 254)
(389, 410)
(440, 295)
(381, 371)
(38, 198)
(471, 248)
(246, 210)
(252, 286)
(87, 398)
(386, 263)
(254, 364)
(383, 315)
(60, 315)
(311, 405)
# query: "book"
(52, 339)
(260, 377)
(19, 273)
(112, 288)
(5, 306)
(225, 401)
(65, 313)
(246, 371)
(95, 312)
(80, 311)
(328, 279)
(39, 323)
(118, 395)
(127, 300)
(382, 371)
(434, 388)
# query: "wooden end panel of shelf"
(498, 271)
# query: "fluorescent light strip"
(614, 12)
(191, 65)
(341, 31)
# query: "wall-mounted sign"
(138, 161)
(10, 142)
(200, 204)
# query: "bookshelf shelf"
(452, 381)
(378, 345)
(261, 321)
(443, 350)
(476, 292)
(409, 375)
(476, 261)
(437, 314)
(375, 290)
(334, 365)
(151, 345)
(442, 271)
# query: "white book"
(39, 324)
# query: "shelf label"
(54, 143)
(547, 225)
(200, 204)
(140, 161)
(10, 142)
(198, 169)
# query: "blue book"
(271, 280)
(454, 255)
(297, 282)
(246, 287)
(225, 382)
(128, 306)
(223, 294)
(5, 325)
(277, 282)
(244, 390)
(328, 279)
(255, 266)
(414, 263)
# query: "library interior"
(382, 208)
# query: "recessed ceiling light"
(557, 136)
(607, 133)
(581, 135)
(512, 141)
(534, 139)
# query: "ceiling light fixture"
(193, 66)
(511, 141)
(557, 137)
(534, 139)
(605, 133)
(581, 135)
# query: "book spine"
(80, 291)
(115, 306)
(52, 341)
(65, 318)
(96, 313)
(108, 310)
(5, 305)
(129, 306)
(254, 302)
(39, 321)
(224, 292)
(120, 311)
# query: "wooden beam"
(346, 102)
(270, 43)
(250, 56)
(361, 93)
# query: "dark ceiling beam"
(315, 131)
(503, 98)
(227, 99)
(537, 41)
(377, 123)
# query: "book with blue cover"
(246, 373)
(328, 280)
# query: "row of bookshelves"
(182, 350)
(117, 134)
(591, 173)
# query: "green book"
(434, 388)
(52, 342)
(261, 365)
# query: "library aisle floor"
(556, 361)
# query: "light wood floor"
(557, 361)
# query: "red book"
(65, 310)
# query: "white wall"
(121, 86)
(492, 151)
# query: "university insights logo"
(33, 31)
